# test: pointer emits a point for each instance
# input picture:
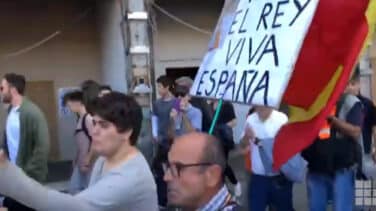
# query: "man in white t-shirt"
(267, 187)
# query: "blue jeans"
(270, 191)
(339, 187)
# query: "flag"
(337, 35)
(299, 52)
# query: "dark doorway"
(175, 73)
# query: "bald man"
(194, 174)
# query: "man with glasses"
(195, 174)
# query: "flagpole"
(216, 115)
(218, 109)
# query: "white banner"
(254, 50)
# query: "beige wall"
(176, 45)
(67, 60)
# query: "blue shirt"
(13, 133)
(194, 116)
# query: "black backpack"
(84, 128)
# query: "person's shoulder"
(137, 172)
(252, 116)
(368, 103)
(88, 119)
(30, 109)
(228, 104)
(251, 119)
(138, 164)
(157, 102)
(279, 116)
(196, 110)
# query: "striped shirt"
(223, 201)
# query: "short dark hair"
(73, 96)
(16, 81)
(105, 88)
(181, 91)
(166, 82)
(90, 90)
(121, 110)
(355, 79)
(214, 152)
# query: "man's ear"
(127, 134)
(213, 175)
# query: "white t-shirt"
(263, 130)
(13, 133)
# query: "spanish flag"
(339, 31)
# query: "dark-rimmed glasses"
(176, 167)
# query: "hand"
(249, 133)
(173, 113)
(3, 209)
(183, 105)
(86, 165)
(3, 159)
(245, 151)
(85, 169)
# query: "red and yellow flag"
(338, 33)
(300, 52)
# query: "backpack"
(85, 129)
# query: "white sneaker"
(238, 190)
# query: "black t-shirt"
(226, 114)
(327, 156)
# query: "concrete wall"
(67, 60)
(112, 45)
(178, 46)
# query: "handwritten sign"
(253, 51)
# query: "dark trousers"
(270, 191)
(157, 168)
(229, 173)
(13, 205)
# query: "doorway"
(42, 93)
(175, 73)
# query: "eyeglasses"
(176, 168)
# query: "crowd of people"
(190, 169)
